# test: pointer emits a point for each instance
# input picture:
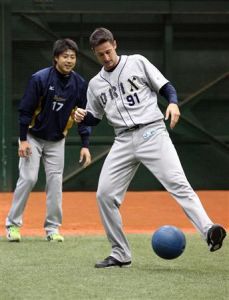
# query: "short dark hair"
(100, 36)
(62, 45)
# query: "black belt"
(136, 127)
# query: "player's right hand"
(79, 115)
(24, 149)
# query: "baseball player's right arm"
(24, 149)
(93, 113)
(28, 105)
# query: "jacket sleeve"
(153, 77)
(28, 105)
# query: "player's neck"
(112, 69)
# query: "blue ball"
(168, 242)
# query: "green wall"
(187, 40)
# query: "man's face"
(106, 55)
(66, 61)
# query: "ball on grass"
(168, 242)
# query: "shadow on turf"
(175, 269)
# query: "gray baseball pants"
(52, 154)
(151, 146)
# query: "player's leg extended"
(53, 159)
(160, 157)
(28, 173)
(117, 172)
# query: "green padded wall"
(187, 40)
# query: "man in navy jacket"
(45, 115)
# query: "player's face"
(66, 61)
(106, 55)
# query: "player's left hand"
(173, 112)
(85, 156)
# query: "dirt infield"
(142, 212)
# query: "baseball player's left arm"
(172, 111)
(85, 156)
(86, 117)
(159, 83)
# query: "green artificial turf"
(37, 269)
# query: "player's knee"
(180, 187)
(30, 181)
(102, 194)
(54, 175)
(107, 199)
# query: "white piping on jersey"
(120, 93)
(115, 99)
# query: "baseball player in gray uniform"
(125, 90)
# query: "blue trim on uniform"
(169, 93)
(90, 120)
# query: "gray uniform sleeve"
(154, 77)
(93, 104)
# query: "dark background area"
(187, 40)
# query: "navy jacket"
(48, 102)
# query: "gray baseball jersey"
(127, 99)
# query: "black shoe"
(215, 237)
(111, 262)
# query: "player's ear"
(115, 44)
